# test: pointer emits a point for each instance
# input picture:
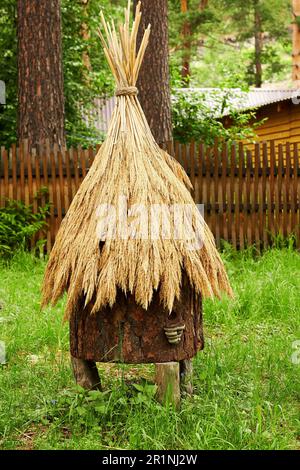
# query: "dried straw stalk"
(130, 164)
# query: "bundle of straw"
(130, 166)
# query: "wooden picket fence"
(250, 195)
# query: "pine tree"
(153, 83)
(40, 75)
(253, 20)
(258, 40)
(191, 23)
(186, 40)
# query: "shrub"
(18, 224)
(198, 117)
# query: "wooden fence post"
(86, 373)
(168, 383)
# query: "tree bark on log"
(40, 75)
(128, 333)
(153, 82)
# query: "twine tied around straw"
(127, 91)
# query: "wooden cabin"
(280, 110)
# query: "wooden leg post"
(186, 376)
(167, 381)
(86, 373)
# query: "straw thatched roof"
(107, 241)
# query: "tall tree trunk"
(154, 79)
(186, 36)
(258, 44)
(296, 43)
(86, 35)
(40, 76)
(203, 4)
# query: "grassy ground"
(247, 387)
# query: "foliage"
(81, 85)
(88, 408)
(221, 48)
(18, 224)
(200, 23)
(222, 41)
(275, 18)
(8, 71)
(195, 117)
(221, 67)
(246, 385)
(84, 84)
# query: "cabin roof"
(241, 100)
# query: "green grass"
(247, 388)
